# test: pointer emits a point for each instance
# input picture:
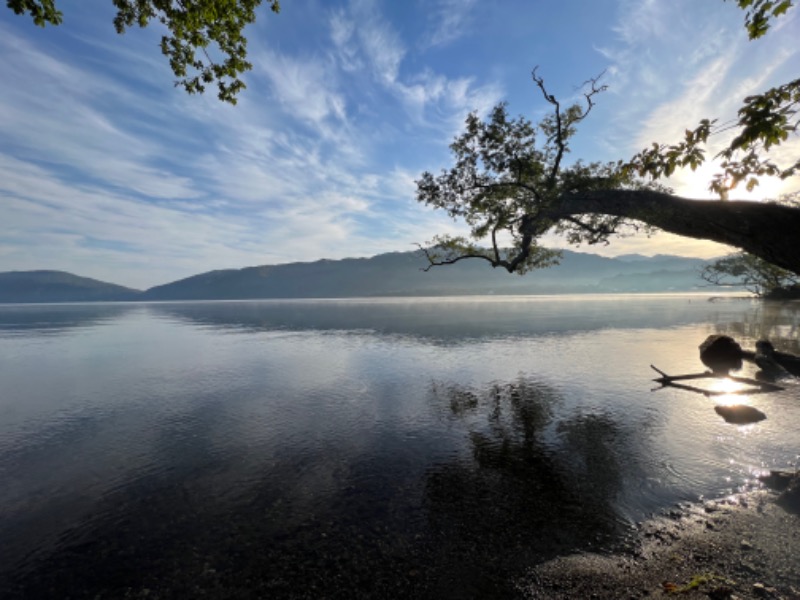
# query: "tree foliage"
(507, 174)
(765, 120)
(510, 176)
(198, 30)
(751, 272)
(759, 14)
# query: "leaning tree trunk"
(769, 231)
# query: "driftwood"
(723, 354)
(773, 362)
(759, 387)
(737, 414)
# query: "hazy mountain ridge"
(59, 286)
(391, 274)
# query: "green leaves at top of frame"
(760, 13)
(198, 29)
(205, 42)
(42, 11)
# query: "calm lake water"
(358, 448)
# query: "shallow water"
(358, 448)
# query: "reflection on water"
(347, 449)
(777, 321)
(53, 319)
(456, 318)
(534, 486)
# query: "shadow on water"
(526, 485)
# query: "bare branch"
(435, 262)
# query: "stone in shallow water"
(739, 414)
(721, 353)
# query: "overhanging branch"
(767, 230)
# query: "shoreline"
(742, 547)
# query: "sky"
(108, 170)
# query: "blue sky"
(109, 171)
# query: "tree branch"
(767, 230)
(436, 262)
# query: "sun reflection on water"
(727, 392)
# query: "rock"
(739, 414)
(721, 593)
(779, 480)
(721, 353)
(790, 497)
(762, 591)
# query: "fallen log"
(775, 362)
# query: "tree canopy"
(509, 177)
(754, 274)
(198, 30)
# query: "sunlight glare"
(694, 184)
(728, 387)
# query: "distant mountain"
(59, 286)
(400, 274)
(392, 274)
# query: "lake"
(420, 448)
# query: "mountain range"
(392, 274)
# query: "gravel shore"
(746, 546)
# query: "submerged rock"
(739, 414)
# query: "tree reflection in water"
(537, 480)
(537, 485)
(775, 321)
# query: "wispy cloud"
(666, 78)
(450, 20)
(363, 37)
(108, 171)
(303, 87)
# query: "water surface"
(357, 448)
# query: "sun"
(694, 184)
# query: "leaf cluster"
(42, 11)
(196, 30)
(662, 160)
(760, 13)
(763, 121)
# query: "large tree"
(509, 177)
(205, 42)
